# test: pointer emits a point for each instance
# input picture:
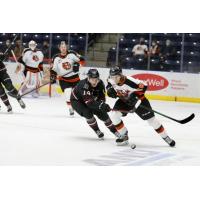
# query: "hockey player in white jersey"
(32, 60)
(131, 98)
(65, 68)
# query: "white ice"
(44, 134)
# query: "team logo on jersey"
(154, 81)
(122, 93)
(35, 58)
(66, 65)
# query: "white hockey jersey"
(32, 58)
(64, 64)
(127, 86)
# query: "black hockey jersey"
(89, 95)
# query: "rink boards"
(168, 86)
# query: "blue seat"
(172, 65)
(57, 37)
(127, 52)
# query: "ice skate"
(122, 140)
(100, 134)
(169, 141)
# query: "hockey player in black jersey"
(6, 82)
(130, 93)
(88, 99)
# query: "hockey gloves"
(132, 100)
(104, 107)
(140, 93)
(76, 67)
(110, 91)
(53, 76)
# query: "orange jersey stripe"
(160, 129)
(69, 80)
(119, 126)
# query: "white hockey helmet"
(32, 45)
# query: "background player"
(66, 62)
(6, 82)
(88, 99)
(130, 94)
(32, 60)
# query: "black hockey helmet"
(93, 73)
(115, 71)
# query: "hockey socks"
(93, 124)
(108, 123)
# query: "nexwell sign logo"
(155, 82)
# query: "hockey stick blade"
(183, 121)
(188, 119)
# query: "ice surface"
(44, 134)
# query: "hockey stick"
(9, 48)
(41, 86)
(183, 121)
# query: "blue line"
(149, 160)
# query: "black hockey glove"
(111, 91)
(140, 93)
(132, 100)
(104, 107)
(53, 77)
(76, 67)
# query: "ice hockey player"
(88, 99)
(32, 60)
(130, 94)
(65, 68)
(6, 82)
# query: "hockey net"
(49, 90)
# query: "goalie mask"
(32, 45)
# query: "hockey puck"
(133, 146)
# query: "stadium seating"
(191, 51)
(77, 42)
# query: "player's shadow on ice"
(153, 147)
(81, 138)
(11, 114)
(52, 116)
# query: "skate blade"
(102, 138)
(125, 143)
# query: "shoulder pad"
(71, 51)
(25, 50)
(54, 57)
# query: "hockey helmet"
(93, 73)
(115, 71)
(32, 45)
